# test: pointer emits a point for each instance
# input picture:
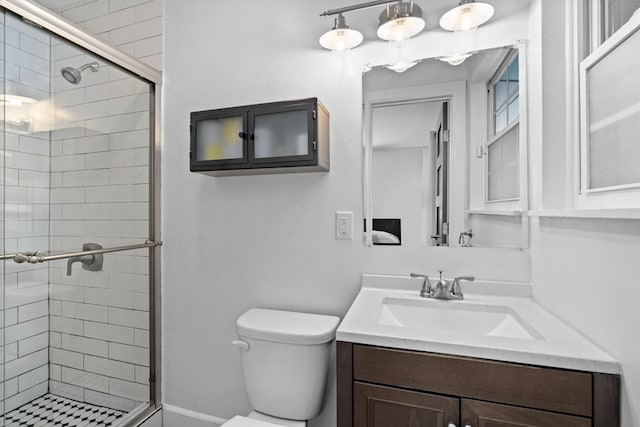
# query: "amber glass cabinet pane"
(281, 134)
(219, 139)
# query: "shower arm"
(36, 257)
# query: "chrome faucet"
(89, 262)
(426, 291)
(443, 289)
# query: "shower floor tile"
(52, 410)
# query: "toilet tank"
(286, 364)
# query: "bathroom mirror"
(444, 151)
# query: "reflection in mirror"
(442, 147)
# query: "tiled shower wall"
(25, 174)
(99, 320)
(97, 186)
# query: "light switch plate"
(344, 225)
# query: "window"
(503, 144)
(610, 108)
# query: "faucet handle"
(456, 290)
(426, 290)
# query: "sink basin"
(455, 318)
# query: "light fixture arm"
(366, 5)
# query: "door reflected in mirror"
(442, 148)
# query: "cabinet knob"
(451, 425)
(242, 135)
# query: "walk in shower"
(79, 220)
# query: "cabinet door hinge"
(445, 135)
(315, 146)
(314, 115)
(190, 128)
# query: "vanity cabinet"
(389, 387)
(277, 137)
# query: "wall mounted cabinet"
(388, 387)
(278, 137)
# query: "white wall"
(586, 271)
(239, 242)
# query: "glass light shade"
(455, 59)
(341, 39)
(400, 22)
(401, 67)
(467, 17)
(401, 28)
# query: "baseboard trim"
(193, 414)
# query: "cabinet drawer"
(550, 389)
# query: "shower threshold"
(51, 410)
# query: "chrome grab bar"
(36, 257)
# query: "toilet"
(285, 359)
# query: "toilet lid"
(239, 421)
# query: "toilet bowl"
(285, 361)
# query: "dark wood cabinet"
(401, 388)
(486, 414)
(277, 137)
(379, 406)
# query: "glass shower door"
(75, 143)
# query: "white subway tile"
(142, 338)
(66, 98)
(87, 144)
(23, 364)
(55, 372)
(129, 282)
(67, 195)
(84, 345)
(10, 316)
(137, 31)
(34, 145)
(66, 390)
(128, 211)
(129, 353)
(105, 332)
(33, 311)
(110, 21)
(68, 163)
(110, 297)
(33, 378)
(22, 296)
(33, 344)
(66, 358)
(124, 317)
(142, 374)
(67, 325)
(129, 390)
(92, 312)
(67, 228)
(85, 379)
(27, 396)
(129, 104)
(129, 139)
(112, 193)
(26, 329)
(85, 178)
(111, 159)
(148, 10)
(55, 339)
(66, 292)
(109, 368)
(87, 11)
(11, 387)
(10, 351)
(109, 401)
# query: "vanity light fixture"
(456, 58)
(467, 16)
(400, 21)
(341, 37)
(397, 22)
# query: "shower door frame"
(70, 32)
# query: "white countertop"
(556, 344)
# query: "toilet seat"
(239, 421)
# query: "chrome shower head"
(74, 75)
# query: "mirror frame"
(456, 93)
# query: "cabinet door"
(484, 414)
(379, 406)
(282, 133)
(218, 137)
